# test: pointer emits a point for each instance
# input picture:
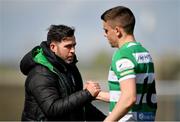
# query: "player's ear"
(118, 31)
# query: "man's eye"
(68, 46)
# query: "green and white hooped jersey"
(134, 61)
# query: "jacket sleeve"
(44, 88)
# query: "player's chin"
(113, 46)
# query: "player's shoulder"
(126, 50)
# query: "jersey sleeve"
(123, 66)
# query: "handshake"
(95, 90)
(92, 87)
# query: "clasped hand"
(92, 87)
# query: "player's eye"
(105, 30)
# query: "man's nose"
(72, 50)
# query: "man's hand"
(92, 87)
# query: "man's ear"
(53, 46)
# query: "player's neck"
(126, 39)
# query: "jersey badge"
(124, 64)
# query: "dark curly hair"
(59, 32)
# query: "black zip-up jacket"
(54, 89)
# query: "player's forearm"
(104, 96)
(117, 114)
(122, 107)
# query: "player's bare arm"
(126, 101)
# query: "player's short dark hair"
(120, 16)
(59, 32)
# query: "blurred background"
(24, 24)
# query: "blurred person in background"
(131, 77)
(53, 87)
